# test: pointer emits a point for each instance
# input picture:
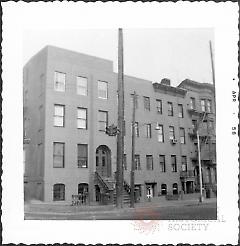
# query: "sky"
(150, 54)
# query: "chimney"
(166, 81)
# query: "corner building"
(70, 99)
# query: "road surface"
(187, 212)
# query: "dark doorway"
(103, 161)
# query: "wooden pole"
(133, 152)
(213, 74)
(120, 136)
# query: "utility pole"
(199, 157)
(133, 151)
(213, 73)
(120, 136)
(200, 167)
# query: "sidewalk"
(49, 208)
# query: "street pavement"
(167, 210)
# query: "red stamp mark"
(146, 220)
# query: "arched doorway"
(103, 161)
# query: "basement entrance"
(103, 161)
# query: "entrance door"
(103, 161)
(149, 188)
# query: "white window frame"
(57, 116)
(100, 90)
(57, 83)
(81, 87)
(160, 133)
(80, 119)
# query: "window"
(159, 106)
(162, 163)
(125, 162)
(209, 106)
(184, 163)
(210, 124)
(175, 189)
(82, 86)
(170, 109)
(58, 154)
(59, 81)
(149, 160)
(194, 124)
(174, 163)
(192, 103)
(136, 129)
(59, 111)
(146, 101)
(163, 189)
(102, 89)
(136, 100)
(102, 120)
(180, 110)
(81, 118)
(182, 135)
(59, 192)
(171, 133)
(148, 131)
(82, 155)
(138, 187)
(160, 134)
(137, 162)
(203, 106)
(82, 188)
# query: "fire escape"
(203, 122)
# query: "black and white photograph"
(99, 144)
(124, 124)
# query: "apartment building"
(70, 99)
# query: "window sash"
(159, 106)
(59, 81)
(59, 115)
(137, 162)
(149, 160)
(102, 89)
(82, 118)
(182, 135)
(192, 103)
(136, 129)
(180, 110)
(82, 150)
(59, 192)
(160, 134)
(209, 106)
(148, 131)
(58, 155)
(147, 103)
(102, 120)
(82, 86)
(162, 163)
(184, 163)
(174, 163)
(170, 109)
(171, 133)
(203, 105)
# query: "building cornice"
(166, 89)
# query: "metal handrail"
(99, 178)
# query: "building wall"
(34, 110)
(39, 159)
